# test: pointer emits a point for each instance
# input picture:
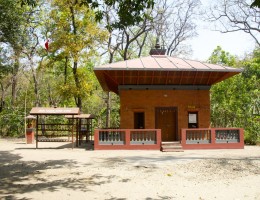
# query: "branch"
(236, 16)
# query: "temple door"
(166, 120)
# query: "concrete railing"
(128, 139)
(212, 138)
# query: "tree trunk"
(65, 70)
(78, 98)
(142, 45)
(15, 79)
(2, 103)
(35, 83)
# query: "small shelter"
(83, 126)
(53, 127)
(163, 92)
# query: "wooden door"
(166, 120)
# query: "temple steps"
(172, 146)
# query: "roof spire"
(157, 48)
(157, 45)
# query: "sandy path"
(26, 173)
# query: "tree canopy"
(235, 101)
(129, 12)
(84, 33)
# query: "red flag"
(47, 45)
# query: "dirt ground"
(81, 173)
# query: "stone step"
(172, 146)
(171, 142)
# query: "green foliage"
(65, 72)
(96, 104)
(4, 65)
(255, 3)
(219, 56)
(130, 12)
(74, 34)
(69, 89)
(11, 19)
(28, 2)
(233, 100)
(12, 122)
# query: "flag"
(47, 45)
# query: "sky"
(236, 43)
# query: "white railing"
(212, 138)
(127, 139)
(227, 136)
(201, 136)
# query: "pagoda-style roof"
(161, 70)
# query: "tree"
(172, 23)
(129, 12)
(233, 100)
(175, 24)
(74, 35)
(222, 57)
(255, 3)
(251, 103)
(128, 41)
(221, 93)
(12, 34)
(236, 15)
(122, 40)
(5, 70)
(32, 51)
(119, 45)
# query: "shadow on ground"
(88, 146)
(176, 157)
(20, 177)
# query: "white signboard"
(192, 118)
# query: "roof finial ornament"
(157, 45)
(157, 49)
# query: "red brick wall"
(147, 100)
